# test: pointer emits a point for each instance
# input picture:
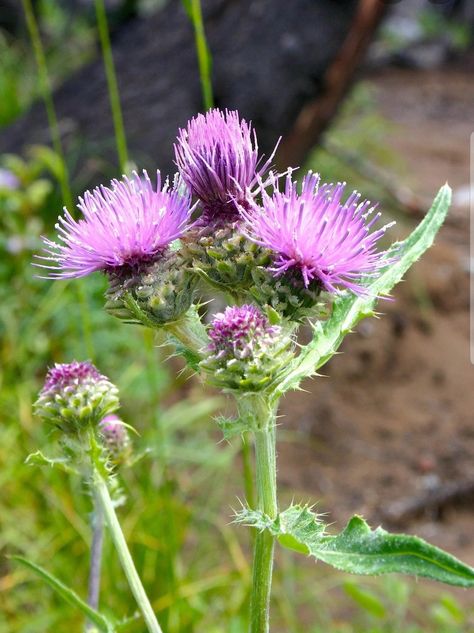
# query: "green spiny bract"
(156, 294)
(223, 257)
(76, 396)
(286, 294)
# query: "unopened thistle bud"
(115, 438)
(75, 396)
(126, 232)
(246, 352)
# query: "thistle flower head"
(76, 395)
(217, 156)
(245, 351)
(115, 438)
(239, 331)
(128, 224)
(317, 236)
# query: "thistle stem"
(189, 331)
(103, 496)
(265, 460)
(95, 559)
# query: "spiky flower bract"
(217, 156)
(245, 351)
(115, 438)
(124, 226)
(76, 395)
(315, 235)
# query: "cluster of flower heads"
(230, 220)
(313, 234)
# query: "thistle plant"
(79, 402)
(285, 253)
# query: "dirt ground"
(389, 433)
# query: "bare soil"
(392, 420)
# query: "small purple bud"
(245, 352)
(115, 438)
(76, 395)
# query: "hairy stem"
(103, 496)
(248, 470)
(95, 559)
(265, 468)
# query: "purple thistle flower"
(239, 331)
(316, 234)
(217, 156)
(125, 225)
(66, 376)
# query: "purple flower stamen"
(125, 225)
(316, 234)
(235, 332)
(217, 156)
(66, 375)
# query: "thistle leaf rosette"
(246, 352)
(126, 232)
(76, 396)
(318, 242)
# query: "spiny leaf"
(231, 427)
(40, 459)
(349, 309)
(68, 595)
(360, 550)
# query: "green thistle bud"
(246, 352)
(75, 396)
(115, 438)
(154, 294)
(287, 294)
(223, 256)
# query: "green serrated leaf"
(70, 596)
(360, 550)
(40, 459)
(349, 309)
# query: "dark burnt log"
(271, 59)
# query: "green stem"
(114, 95)
(203, 53)
(103, 496)
(189, 331)
(248, 471)
(265, 466)
(46, 93)
(97, 523)
(64, 180)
